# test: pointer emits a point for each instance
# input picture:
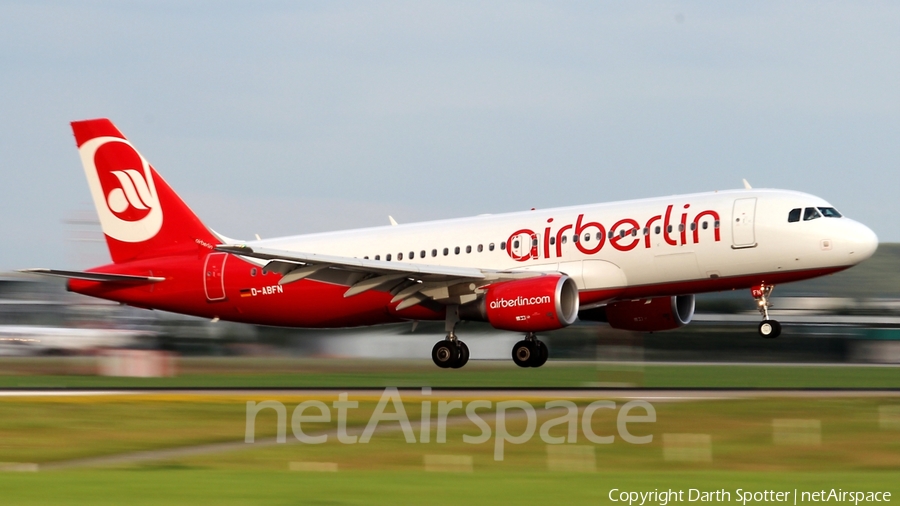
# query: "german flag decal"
(246, 292)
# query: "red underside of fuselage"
(318, 304)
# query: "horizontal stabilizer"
(95, 276)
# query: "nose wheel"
(768, 328)
(530, 352)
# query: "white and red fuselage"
(620, 251)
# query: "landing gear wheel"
(445, 354)
(541, 354)
(463, 356)
(769, 329)
(523, 353)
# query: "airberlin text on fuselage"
(673, 233)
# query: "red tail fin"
(140, 214)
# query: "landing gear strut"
(530, 352)
(768, 328)
(451, 352)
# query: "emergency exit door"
(214, 276)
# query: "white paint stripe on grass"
(319, 467)
(571, 458)
(449, 463)
(687, 447)
(796, 432)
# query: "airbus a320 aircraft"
(634, 264)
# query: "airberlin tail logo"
(122, 187)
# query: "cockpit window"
(794, 215)
(829, 212)
(810, 214)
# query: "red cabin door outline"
(214, 276)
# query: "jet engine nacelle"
(651, 315)
(536, 304)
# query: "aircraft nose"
(863, 242)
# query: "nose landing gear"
(530, 352)
(768, 328)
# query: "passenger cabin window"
(810, 213)
(574, 238)
(446, 251)
(412, 254)
(503, 245)
(587, 237)
(552, 241)
(794, 215)
(399, 256)
(434, 252)
(377, 257)
(388, 257)
(480, 248)
(829, 212)
(253, 271)
(422, 254)
(468, 249)
(456, 250)
(491, 246)
(657, 230)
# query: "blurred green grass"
(202, 486)
(240, 372)
(856, 452)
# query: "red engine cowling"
(651, 315)
(537, 304)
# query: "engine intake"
(651, 315)
(536, 304)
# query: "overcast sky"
(286, 118)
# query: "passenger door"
(742, 223)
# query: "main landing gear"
(530, 352)
(768, 328)
(451, 352)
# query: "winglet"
(393, 221)
(747, 185)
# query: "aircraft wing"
(411, 283)
(95, 276)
